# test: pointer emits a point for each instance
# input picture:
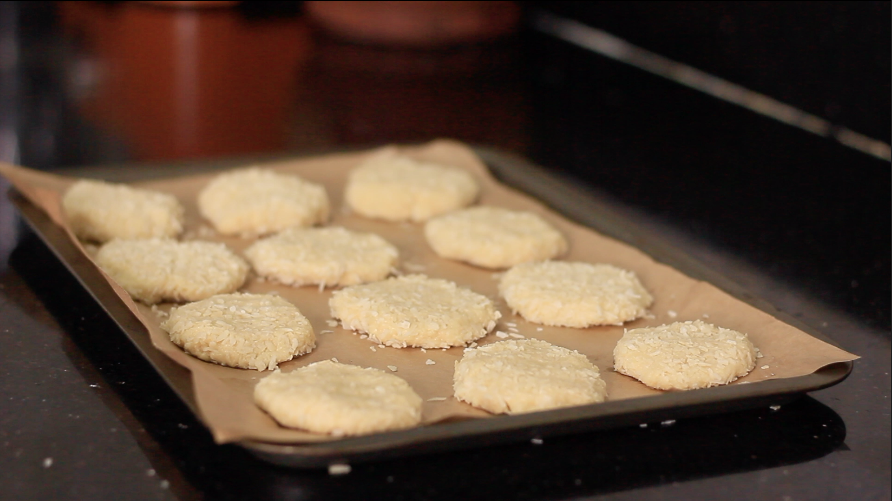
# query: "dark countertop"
(797, 219)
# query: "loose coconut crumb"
(339, 469)
(429, 362)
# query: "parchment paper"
(224, 395)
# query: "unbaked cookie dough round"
(331, 256)
(684, 355)
(516, 376)
(574, 294)
(247, 331)
(255, 201)
(415, 310)
(99, 211)
(493, 237)
(339, 399)
(155, 270)
(394, 187)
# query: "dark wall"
(831, 59)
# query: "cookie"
(493, 237)
(247, 331)
(684, 355)
(330, 256)
(394, 187)
(155, 270)
(98, 211)
(517, 376)
(257, 201)
(339, 399)
(415, 310)
(574, 294)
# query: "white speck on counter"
(94, 386)
(706, 315)
(515, 335)
(47, 462)
(764, 367)
(668, 422)
(536, 441)
(339, 469)
(334, 359)
(642, 425)
(539, 329)
(501, 335)
(392, 368)
(373, 348)
(672, 313)
(332, 323)
(775, 408)
(436, 399)
(429, 362)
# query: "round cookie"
(257, 201)
(330, 256)
(155, 270)
(516, 376)
(100, 211)
(415, 310)
(339, 399)
(684, 355)
(247, 331)
(394, 187)
(573, 294)
(493, 237)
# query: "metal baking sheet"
(571, 201)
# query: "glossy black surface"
(798, 219)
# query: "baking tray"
(569, 199)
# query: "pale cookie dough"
(684, 355)
(339, 399)
(155, 270)
(493, 237)
(247, 331)
(394, 187)
(99, 211)
(574, 294)
(257, 201)
(415, 310)
(512, 377)
(330, 256)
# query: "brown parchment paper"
(224, 395)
